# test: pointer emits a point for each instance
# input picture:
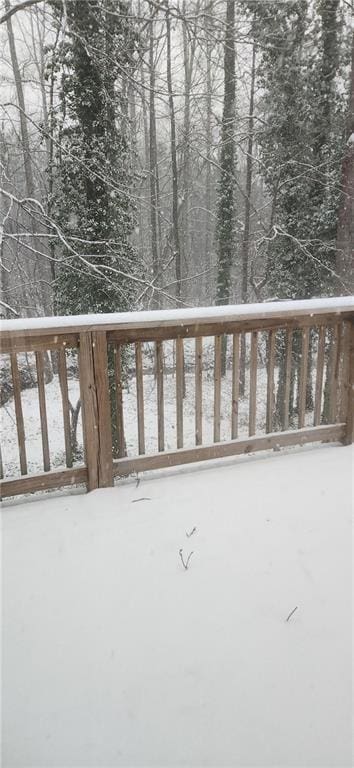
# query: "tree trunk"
(22, 110)
(246, 230)
(48, 120)
(154, 196)
(38, 269)
(208, 141)
(189, 54)
(345, 230)
(226, 203)
(176, 242)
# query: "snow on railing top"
(169, 317)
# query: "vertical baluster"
(253, 385)
(140, 396)
(43, 410)
(235, 384)
(160, 403)
(179, 391)
(270, 381)
(217, 387)
(344, 371)
(303, 376)
(348, 394)
(119, 400)
(63, 381)
(288, 360)
(1, 465)
(334, 372)
(319, 375)
(19, 414)
(104, 422)
(198, 390)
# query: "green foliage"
(225, 229)
(302, 55)
(93, 203)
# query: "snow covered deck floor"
(114, 655)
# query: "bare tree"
(189, 48)
(208, 130)
(176, 240)
(154, 184)
(226, 203)
(22, 109)
(245, 247)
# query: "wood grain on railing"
(96, 410)
(89, 409)
(104, 425)
(217, 387)
(192, 330)
(179, 391)
(270, 381)
(198, 391)
(349, 429)
(318, 327)
(42, 342)
(63, 381)
(323, 433)
(235, 384)
(303, 376)
(319, 375)
(160, 400)
(334, 373)
(253, 384)
(19, 414)
(44, 481)
(43, 410)
(287, 384)
(140, 396)
(119, 399)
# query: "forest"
(173, 154)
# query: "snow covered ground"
(114, 655)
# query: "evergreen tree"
(225, 228)
(301, 146)
(226, 188)
(345, 229)
(93, 203)
(302, 142)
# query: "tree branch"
(20, 7)
(7, 307)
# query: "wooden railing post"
(94, 337)
(349, 386)
(96, 411)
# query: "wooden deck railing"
(318, 330)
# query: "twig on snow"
(191, 533)
(290, 614)
(185, 563)
(142, 498)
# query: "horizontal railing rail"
(282, 372)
